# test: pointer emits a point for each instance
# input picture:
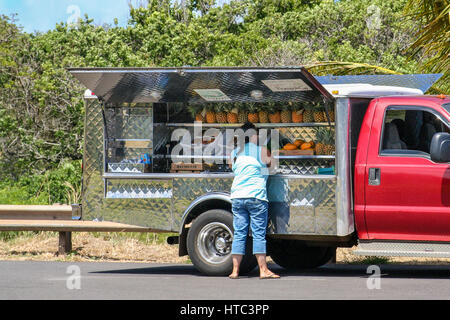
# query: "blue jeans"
(249, 212)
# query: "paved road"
(50, 280)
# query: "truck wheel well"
(194, 213)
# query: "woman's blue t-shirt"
(250, 173)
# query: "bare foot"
(269, 275)
(234, 276)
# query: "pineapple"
(308, 114)
(325, 141)
(320, 136)
(263, 115)
(274, 113)
(242, 112)
(286, 114)
(253, 113)
(297, 113)
(330, 147)
(232, 113)
(330, 113)
(197, 112)
(319, 112)
(221, 115)
(210, 114)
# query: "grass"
(120, 247)
(372, 260)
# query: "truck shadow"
(330, 270)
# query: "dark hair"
(247, 126)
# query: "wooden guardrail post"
(65, 242)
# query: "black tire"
(293, 255)
(209, 244)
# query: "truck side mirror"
(440, 147)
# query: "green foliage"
(60, 185)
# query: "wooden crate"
(186, 167)
(294, 152)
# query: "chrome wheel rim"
(214, 242)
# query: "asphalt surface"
(61, 280)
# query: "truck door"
(407, 195)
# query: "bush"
(60, 185)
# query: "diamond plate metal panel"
(126, 167)
(309, 206)
(304, 166)
(92, 192)
(115, 85)
(136, 189)
(151, 213)
(403, 249)
(186, 190)
(145, 203)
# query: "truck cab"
(402, 172)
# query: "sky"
(43, 15)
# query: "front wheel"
(209, 244)
(294, 255)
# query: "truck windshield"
(447, 107)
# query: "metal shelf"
(258, 125)
(300, 157)
(296, 157)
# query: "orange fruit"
(299, 142)
(290, 146)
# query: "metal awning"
(414, 81)
(201, 85)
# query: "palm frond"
(345, 68)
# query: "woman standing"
(249, 201)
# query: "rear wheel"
(294, 255)
(209, 244)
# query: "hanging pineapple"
(286, 113)
(232, 113)
(197, 112)
(330, 112)
(263, 115)
(297, 113)
(319, 113)
(252, 113)
(274, 112)
(210, 114)
(242, 112)
(330, 147)
(221, 115)
(308, 113)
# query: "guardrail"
(56, 218)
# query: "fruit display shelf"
(258, 125)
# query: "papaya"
(289, 146)
(306, 146)
(299, 142)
